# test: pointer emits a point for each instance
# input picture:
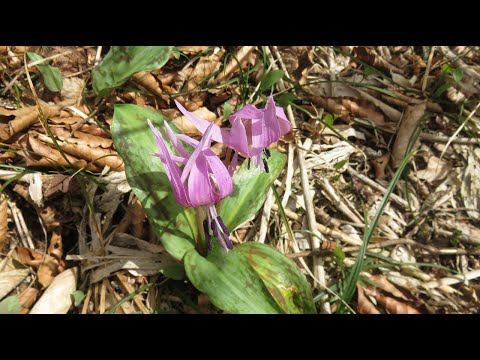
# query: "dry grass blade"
(3, 222)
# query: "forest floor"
(358, 113)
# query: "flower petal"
(221, 176)
(203, 144)
(218, 134)
(238, 138)
(271, 129)
(285, 125)
(247, 112)
(174, 139)
(200, 187)
(172, 170)
(233, 163)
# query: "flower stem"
(202, 245)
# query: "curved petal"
(172, 170)
(238, 139)
(200, 187)
(218, 134)
(271, 127)
(247, 112)
(202, 145)
(174, 139)
(285, 125)
(222, 178)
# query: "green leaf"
(339, 254)
(340, 164)
(52, 76)
(281, 276)
(123, 61)
(457, 74)
(369, 70)
(284, 99)
(175, 226)
(249, 191)
(441, 89)
(270, 78)
(10, 305)
(447, 69)
(328, 120)
(230, 282)
(227, 110)
(78, 297)
(174, 272)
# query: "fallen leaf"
(239, 59)
(23, 118)
(57, 299)
(347, 107)
(470, 184)
(370, 56)
(191, 50)
(186, 126)
(393, 306)
(9, 280)
(387, 286)
(27, 298)
(408, 124)
(380, 164)
(365, 306)
(205, 66)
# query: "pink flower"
(198, 179)
(253, 130)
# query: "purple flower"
(199, 179)
(253, 130)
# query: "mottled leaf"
(52, 76)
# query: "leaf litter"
(69, 221)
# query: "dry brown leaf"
(27, 298)
(347, 107)
(50, 216)
(46, 273)
(436, 170)
(67, 120)
(99, 156)
(138, 217)
(57, 299)
(186, 126)
(240, 59)
(204, 67)
(148, 81)
(81, 138)
(55, 248)
(370, 56)
(22, 118)
(48, 156)
(380, 164)
(3, 222)
(57, 183)
(387, 286)
(365, 306)
(191, 50)
(408, 124)
(392, 305)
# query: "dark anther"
(228, 243)
(222, 225)
(209, 243)
(267, 152)
(266, 165)
(206, 230)
(214, 229)
(248, 164)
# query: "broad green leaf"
(270, 78)
(174, 272)
(175, 226)
(250, 188)
(123, 61)
(230, 282)
(227, 110)
(284, 99)
(457, 74)
(78, 297)
(281, 276)
(10, 305)
(52, 76)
